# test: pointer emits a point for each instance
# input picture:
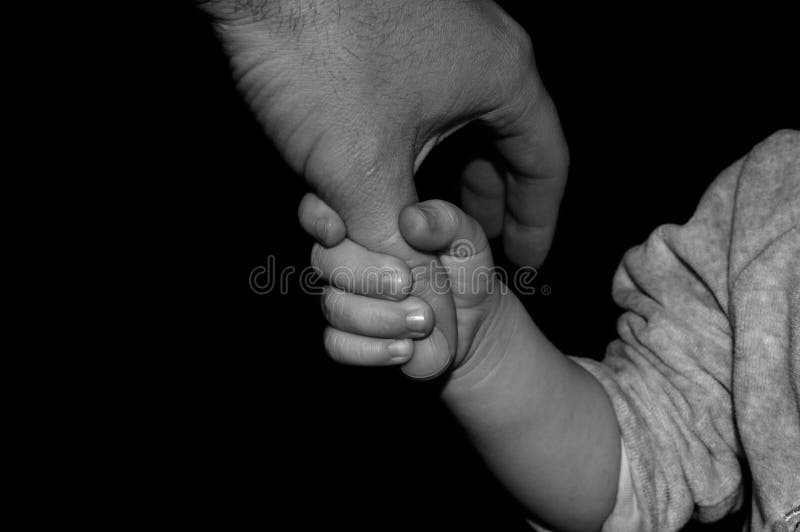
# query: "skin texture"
(544, 425)
(354, 94)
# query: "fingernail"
(415, 321)
(400, 350)
(429, 215)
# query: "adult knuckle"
(521, 46)
(518, 75)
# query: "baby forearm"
(544, 425)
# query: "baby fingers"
(353, 268)
(348, 348)
(410, 318)
(320, 221)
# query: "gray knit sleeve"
(670, 373)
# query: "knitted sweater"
(705, 375)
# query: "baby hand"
(371, 321)
(544, 425)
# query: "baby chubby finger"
(355, 269)
(320, 221)
(355, 350)
(462, 245)
(437, 225)
(410, 318)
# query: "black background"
(251, 424)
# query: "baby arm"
(544, 425)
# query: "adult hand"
(355, 93)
